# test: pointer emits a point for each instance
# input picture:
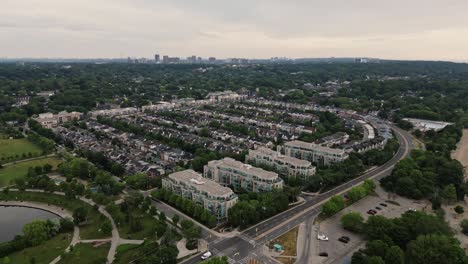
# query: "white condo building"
(285, 166)
(315, 153)
(209, 194)
(230, 172)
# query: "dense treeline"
(415, 237)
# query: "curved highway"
(248, 243)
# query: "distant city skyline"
(261, 29)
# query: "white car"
(322, 237)
(206, 255)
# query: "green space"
(11, 172)
(43, 253)
(126, 253)
(87, 254)
(17, 149)
(148, 224)
(89, 230)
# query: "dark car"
(323, 254)
(378, 208)
(344, 239)
(384, 204)
(371, 212)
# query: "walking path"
(25, 160)
(115, 240)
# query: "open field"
(88, 231)
(87, 254)
(126, 253)
(148, 223)
(11, 172)
(43, 253)
(14, 149)
(461, 153)
(289, 243)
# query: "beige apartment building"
(286, 166)
(317, 154)
(233, 173)
(209, 194)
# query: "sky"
(397, 29)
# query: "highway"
(249, 243)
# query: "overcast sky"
(396, 29)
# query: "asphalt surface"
(250, 242)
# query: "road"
(251, 240)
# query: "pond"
(12, 220)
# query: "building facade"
(285, 166)
(230, 172)
(50, 120)
(209, 194)
(314, 153)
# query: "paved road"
(239, 248)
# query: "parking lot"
(339, 252)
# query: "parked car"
(344, 239)
(372, 212)
(206, 255)
(383, 204)
(322, 237)
(323, 254)
(378, 208)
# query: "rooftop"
(249, 169)
(312, 146)
(194, 179)
(279, 156)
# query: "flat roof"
(279, 156)
(312, 146)
(249, 169)
(196, 180)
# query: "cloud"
(400, 29)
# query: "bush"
(352, 221)
(464, 226)
(459, 209)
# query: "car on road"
(206, 255)
(344, 239)
(372, 212)
(322, 237)
(383, 204)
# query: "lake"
(12, 220)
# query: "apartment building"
(230, 172)
(225, 96)
(114, 112)
(50, 120)
(211, 195)
(285, 166)
(317, 154)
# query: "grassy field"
(147, 221)
(87, 254)
(43, 253)
(126, 253)
(288, 241)
(14, 171)
(88, 231)
(15, 148)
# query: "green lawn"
(43, 253)
(126, 253)
(88, 231)
(148, 223)
(87, 254)
(13, 149)
(20, 169)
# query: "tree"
(47, 168)
(79, 215)
(394, 255)
(66, 225)
(6, 260)
(356, 194)
(106, 227)
(459, 209)
(352, 221)
(334, 205)
(449, 193)
(464, 226)
(175, 219)
(36, 232)
(216, 260)
(435, 249)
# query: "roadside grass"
(11, 172)
(286, 260)
(43, 253)
(13, 149)
(90, 230)
(86, 254)
(289, 242)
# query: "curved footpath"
(115, 239)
